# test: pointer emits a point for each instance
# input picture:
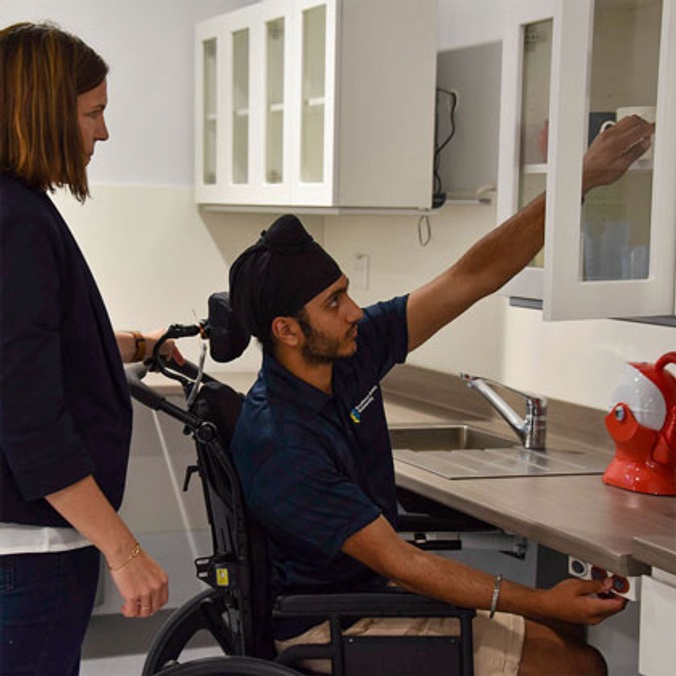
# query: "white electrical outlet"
(629, 587)
(360, 271)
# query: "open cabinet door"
(567, 65)
(530, 41)
(615, 257)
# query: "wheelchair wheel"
(229, 666)
(206, 612)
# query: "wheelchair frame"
(235, 609)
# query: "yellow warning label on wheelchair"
(222, 577)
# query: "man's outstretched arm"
(506, 250)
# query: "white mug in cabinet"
(645, 112)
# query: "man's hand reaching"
(615, 150)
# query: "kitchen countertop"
(621, 531)
(576, 515)
(658, 551)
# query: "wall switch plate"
(359, 279)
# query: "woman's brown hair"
(42, 72)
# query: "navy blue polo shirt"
(317, 468)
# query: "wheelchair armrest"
(387, 603)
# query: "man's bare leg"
(559, 652)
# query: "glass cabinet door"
(536, 78)
(614, 254)
(209, 133)
(209, 111)
(314, 57)
(276, 81)
(313, 95)
(240, 105)
(624, 69)
(238, 170)
(275, 36)
(527, 82)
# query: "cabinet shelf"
(539, 168)
(542, 168)
(314, 102)
(642, 165)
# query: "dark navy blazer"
(65, 410)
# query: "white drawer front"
(657, 647)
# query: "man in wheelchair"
(312, 449)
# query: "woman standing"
(65, 414)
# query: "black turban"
(278, 275)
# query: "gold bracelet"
(136, 550)
(139, 346)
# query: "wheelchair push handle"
(135, 373)
(148, 397)
(188, 373)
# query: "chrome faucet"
(531, 430)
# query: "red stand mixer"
(642, 422)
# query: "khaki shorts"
(498, 642)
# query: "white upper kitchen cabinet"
(317, 103)
(569, 66)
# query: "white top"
(22, 539)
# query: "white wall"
(464, 23)
(157, 259)
(148, 45)
(399, 264)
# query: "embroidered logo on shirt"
(355, 413)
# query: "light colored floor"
(130, 665)
(117, 646)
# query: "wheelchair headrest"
(227, 337)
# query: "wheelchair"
(235, 608)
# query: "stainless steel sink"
(461, 451)
(451, 438)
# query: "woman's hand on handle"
(137, 346)
(168, 350)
